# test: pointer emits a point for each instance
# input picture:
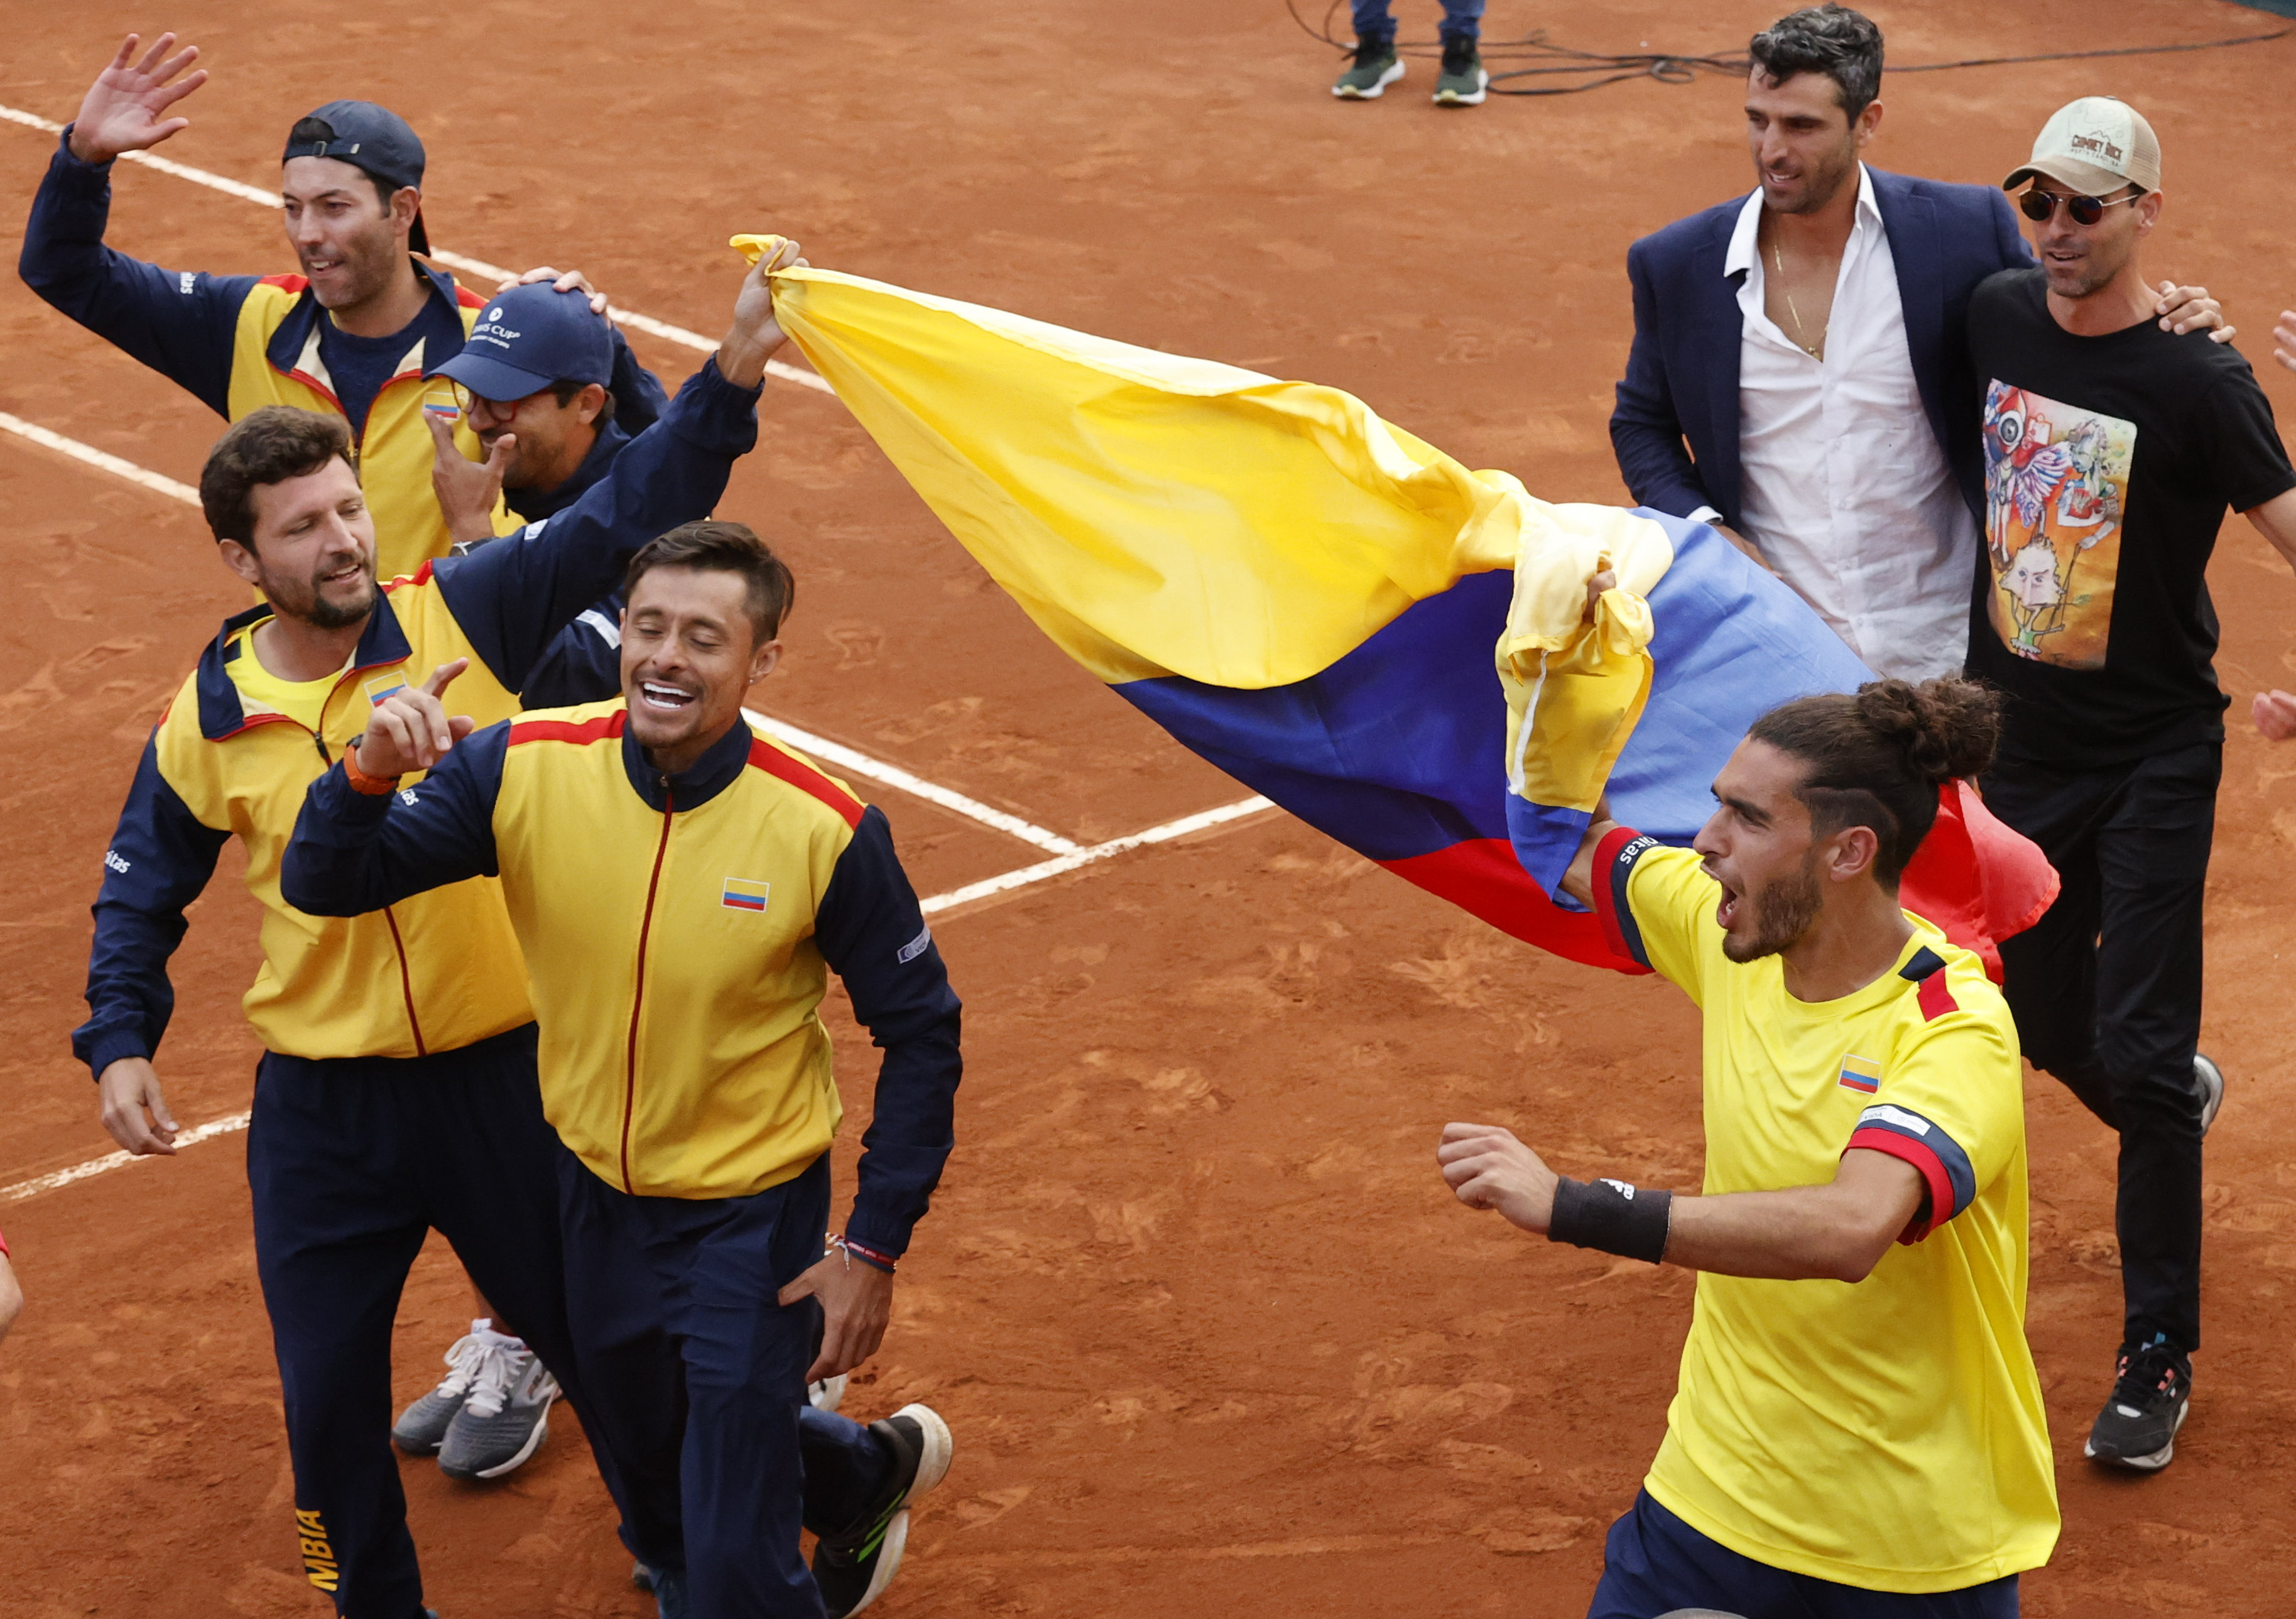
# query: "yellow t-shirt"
(301, 700)
(1887, 1435)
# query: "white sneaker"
(422, 1426)
(506, 1417)
(2207, 1080)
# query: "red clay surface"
(1209, 1331)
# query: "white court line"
(1027, 875)
(1044, 869)
(453, 261)
(915, 786)
(837, 753)
(102, 460)
(116, 1161)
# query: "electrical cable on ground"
(1592, 69)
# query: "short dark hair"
(564, 389)
(716, 546)
(319, 129)
(267, 446)
(1877, 759)
(1834, 40)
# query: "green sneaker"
(1375, 68)
(1463, 78)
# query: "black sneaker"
(2207, 1080)
(2152, 1392)
(852, 1569)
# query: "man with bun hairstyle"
(356, 334)
(2112, 451)
(1858, 1429)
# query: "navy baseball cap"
(369, 138)
(529, 337)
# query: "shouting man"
(1859, 1412)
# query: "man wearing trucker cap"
(2112, 450)
(356, 334)
(537, 384)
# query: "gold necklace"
(1801, 333)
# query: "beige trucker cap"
(2096, 145)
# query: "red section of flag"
(1482, 875)
(1976, 881)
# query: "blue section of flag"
(1398, 749)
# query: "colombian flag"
(1389, 646)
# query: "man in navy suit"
(1800, 374)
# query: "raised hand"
(411, 729)
(121, 111)
(756, 334)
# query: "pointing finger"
(436, 686)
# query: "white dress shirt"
(1845, 491)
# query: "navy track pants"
(700, 1377)
(351, 1162)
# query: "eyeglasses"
(478, 404)
(2039, 206)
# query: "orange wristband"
(374, 786)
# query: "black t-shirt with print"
(2110, 463)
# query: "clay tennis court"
(1211, 1335)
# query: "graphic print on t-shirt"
(2056, 483)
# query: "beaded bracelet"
(867, 1256)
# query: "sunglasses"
(2041, 206)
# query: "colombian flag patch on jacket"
(746, 893)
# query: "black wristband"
(1612, 1216)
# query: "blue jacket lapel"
(1910, 222)
(1724, 324)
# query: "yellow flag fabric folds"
(1161, 515)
